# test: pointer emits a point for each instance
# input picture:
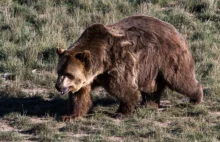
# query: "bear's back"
(153, 28)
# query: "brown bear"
(137, 57)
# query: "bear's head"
(82, 62)
(72, 70)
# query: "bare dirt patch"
(115, 139)
(80, 135)
(35, 91)
(4, 126)
(163, 124)
(214, 113)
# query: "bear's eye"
(70, 76)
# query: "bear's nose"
(58, 87)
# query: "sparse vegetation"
(30, 106)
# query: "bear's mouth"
(65, 90)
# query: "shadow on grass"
(104, 101)
(33, 106)
(38, 106)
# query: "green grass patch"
(10, 136)
(29, 34)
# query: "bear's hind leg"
(197, 96)
(194, 93)
(185, 83)
(152, 100)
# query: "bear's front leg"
(128, 101)
(122, 88)
(152, 100)
(125, 90)
(79, 103)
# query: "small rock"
(34, 71)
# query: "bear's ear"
(85, 58)
(60, 51)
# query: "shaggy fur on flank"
(137, 57)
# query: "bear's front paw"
(69, 118)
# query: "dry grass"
(31, 107)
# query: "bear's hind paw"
(119, 116)
(69, 118)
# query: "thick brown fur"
(138, 56)
(79, 103)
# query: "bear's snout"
(59, 83)
(58, 87)
(61, 89)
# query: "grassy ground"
(30, 106)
